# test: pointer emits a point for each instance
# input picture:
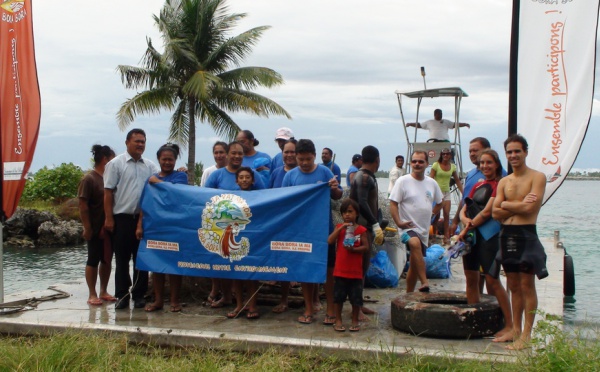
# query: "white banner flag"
(555, 87)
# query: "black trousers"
(125, 246)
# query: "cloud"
(342, 62)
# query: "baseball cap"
(284, 133)
(356, 157)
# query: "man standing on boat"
(438, 127)
(411, 207)
(517, 205)
(124, 180)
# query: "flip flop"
(150, 308)
(252, 315)
(340, 328)
(424, 289)
(354, 328)
(281, 308)
(305, 319)
(329, 320)
(175, 308)
(234, 314)
(219, 304)
(94, 302)
(108, 298)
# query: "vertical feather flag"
(555, 81)
(20, 106)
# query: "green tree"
(198, 75)
(53, 184)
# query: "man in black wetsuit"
(365, 192)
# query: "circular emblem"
(431, 154)
(223, 218)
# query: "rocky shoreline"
(30, 228)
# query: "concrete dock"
(203, 326)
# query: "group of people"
(109, 201)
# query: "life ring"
(446, 315)
(568, 276)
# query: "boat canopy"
(433, 149)
(432, 93)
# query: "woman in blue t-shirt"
(167, 155)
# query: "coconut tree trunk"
(191, 165)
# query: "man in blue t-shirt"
(357, 162)
(476, 147)
(327, 158)
(308, 172)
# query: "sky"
(342, 61)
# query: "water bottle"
(349, 238)
(404, 238)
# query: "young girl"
(352, 243)
(244, 177)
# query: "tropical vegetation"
(199, 75)
(53, 185)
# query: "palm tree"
(194, 75)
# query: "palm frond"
(222, 124)
(147, 102)
(201, 85)
(180, 124)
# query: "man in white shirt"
(124, 180)
(411, 207)
(396, 172)
(438, 127)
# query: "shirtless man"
(517, 205)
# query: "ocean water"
(573, 210)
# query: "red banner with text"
(20, 106)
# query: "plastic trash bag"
(382, 273)
(437, 263)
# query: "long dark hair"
(100, 152)
(496, 158)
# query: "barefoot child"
(352, 243)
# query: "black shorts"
(95, 248)
(413, 234)
(348, 288)
(482, 254)
(521, 250)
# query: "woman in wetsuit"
(476, 215)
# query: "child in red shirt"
(352, 242)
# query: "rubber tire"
(568, 276)
(446, 315)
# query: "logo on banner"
(13, 5)
(223, 218)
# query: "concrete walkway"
(202, 326)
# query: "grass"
(555, 350)
(40, 205)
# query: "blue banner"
(274, 234)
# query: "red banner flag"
(20, 105)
